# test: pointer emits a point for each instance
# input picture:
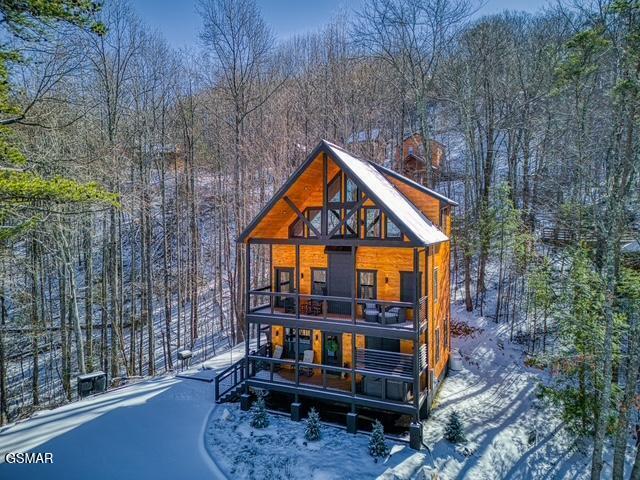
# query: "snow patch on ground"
(281, 452)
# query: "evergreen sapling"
(312, 428)
(259, 417)
(454, 431)
(377, 446)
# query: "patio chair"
(289, 305)
(277, 355)
(308, 358)
(391, 315)
(370, 312)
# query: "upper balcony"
(339, 313)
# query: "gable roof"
(415, 185)
(388, 197)
(372, 181)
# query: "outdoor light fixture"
(316, 337)
(277, 333)
(386, 279)
(302, 275)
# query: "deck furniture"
(370, 312)
(308, 358)
(277, 355)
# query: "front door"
(332, 349)
(284, 283)
(340, 280)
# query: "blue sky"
(180, 24)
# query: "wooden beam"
(353, 210)
(301, 216)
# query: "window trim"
(375, 281)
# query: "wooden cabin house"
(411, 156)
(357, 309)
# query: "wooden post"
(247, 283)
(297, 281)
(416, 341)
(325, 173)
(353, 321)
(271, 286)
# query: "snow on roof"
(416, 185)
(388, 197)
(364, 136)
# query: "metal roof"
(371, 180)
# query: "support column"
(415, 435)
(296, 410)
(247, 285)
(324, 220)
(352, 422)
(245, 401)
(416, 338)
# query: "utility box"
(185, 358)
(90, 383)
(184, 355)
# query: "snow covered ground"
(495, 395)
(150, 430)
(281, 452)
(170, 427)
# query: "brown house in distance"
(411, 157)
(356, 310)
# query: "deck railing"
(390, 385)
(331, 308)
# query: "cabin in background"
(411, 158)
(356, 309)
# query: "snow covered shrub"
(312, 428)
(259, 417)
(454, 431)
(377, 446)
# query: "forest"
(128, 168)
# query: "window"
(314, 215)
(392, 230)
(351, 191)
(435, 285)
(372, 223)
(437, 337)
(443, 217)
(297, 229)
(367, 284)
(318, 281)
(333, 220)
(351, 225)
(334, 190)
(289, 350)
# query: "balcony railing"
(393, 314)
(379, 375)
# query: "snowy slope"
(495, 395)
